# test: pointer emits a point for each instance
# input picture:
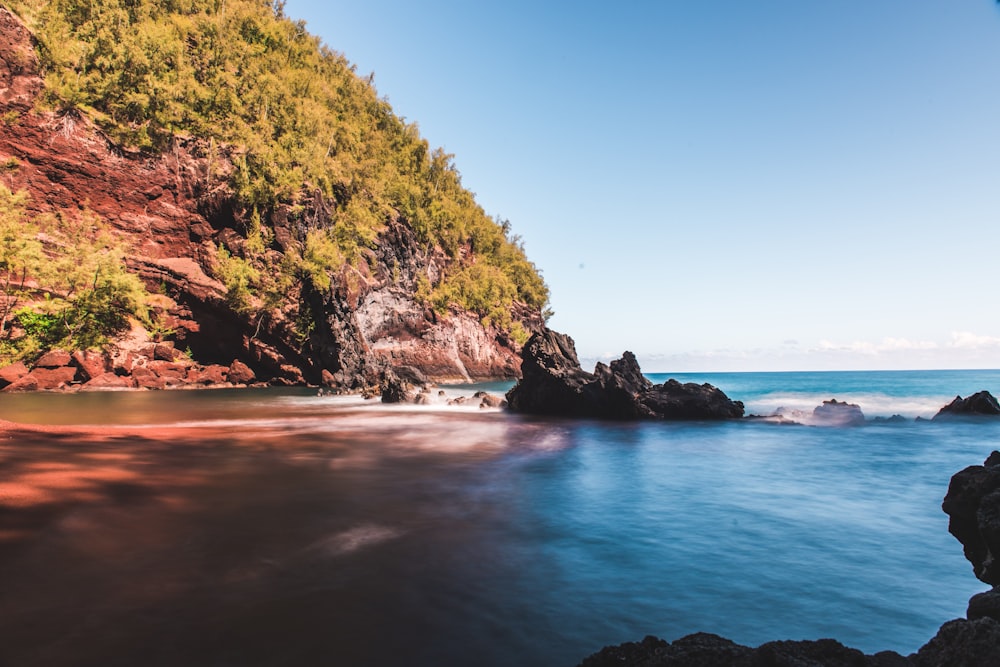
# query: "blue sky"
(721, 185)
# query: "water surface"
(277, 527)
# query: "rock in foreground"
(703, 649)
(958, 642)
(553, 383)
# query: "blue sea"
(267, 527)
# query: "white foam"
(872, 404)
(353, 540)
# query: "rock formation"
(979, 404)
(176, 209)
(838, 413)
(973, 506)
(553, 383)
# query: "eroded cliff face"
(175, 210)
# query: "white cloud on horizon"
(969, 340)
(963, 349)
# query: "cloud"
(966, 340)
(887, 344)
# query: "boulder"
(240, 373)
(12, 373)
(108, 381)
(980, 404)
(838, 413)
(395, 389)
(44, 379)
(162, 351)
(54, 359)
(489, 400)
(206, 375)
(26, 383)
(171, 372)
(553, 383)
(91, 363)
(146, 379)
(986, 604)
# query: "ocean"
(275, 526)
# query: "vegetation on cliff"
(291, 122)
(77, 264)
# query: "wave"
(871, 404)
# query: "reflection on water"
(275, 527)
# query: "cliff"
(180, 216)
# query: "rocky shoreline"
(552, 382)
(973, 506)
(152, 366)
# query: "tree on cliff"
(72, 289)
(296, 123)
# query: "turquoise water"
(278, 527)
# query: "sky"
(721, 185)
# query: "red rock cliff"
(175, 209)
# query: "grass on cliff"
(299, 121)
(63, 281)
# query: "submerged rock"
(979, 404)
(553, 383)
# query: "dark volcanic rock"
(395, 389)
(984, 605)
(962, 643)
(708, 650)
(979, 404)
(973, 507)
(553, 383)
(673, 400)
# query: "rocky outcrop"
(838, 413)
(175, 210)
(973, 508)
(553, 383)
(980, 404)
